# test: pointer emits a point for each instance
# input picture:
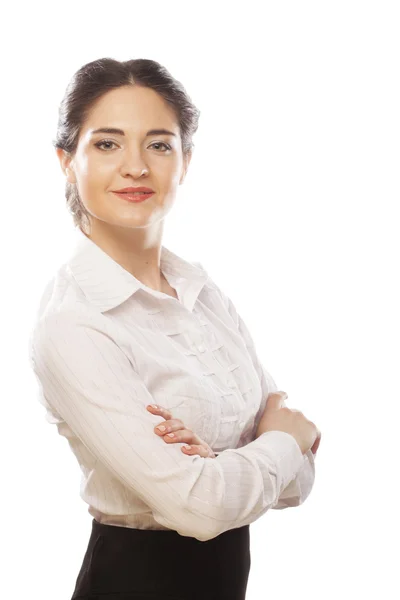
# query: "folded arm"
(87, 376)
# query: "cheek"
(97, 173)
(169, 174)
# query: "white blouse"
(104, 346)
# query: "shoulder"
(61, 294)
(64, 313)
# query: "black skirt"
(122, 563)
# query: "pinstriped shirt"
(104, 345)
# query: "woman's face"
(104, 162)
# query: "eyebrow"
(121, 132)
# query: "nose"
(133, 164)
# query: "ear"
(67, 165)
(186, 162)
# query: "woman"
(126, 323)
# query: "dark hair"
(96, 78)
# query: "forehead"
(131, 107)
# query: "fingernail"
(170, 435)
(187, 447)
(153, 406)
(161, 428)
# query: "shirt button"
(201, 348)
(241, 424)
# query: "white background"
(291, 204)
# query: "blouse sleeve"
(298, 490)
(89, 379)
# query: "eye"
(167, 146)
(99, 144)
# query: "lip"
(133, 189)
(134, 197)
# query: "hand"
(315, 445)
(181, 433)
(277, 417)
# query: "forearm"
(243, 483)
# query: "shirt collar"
(106, 284)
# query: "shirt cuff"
(285, 451)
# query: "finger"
(183, 435)
(276, 400)
(195, 450)
(168, 426)
(278, 393)
(159, 410)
